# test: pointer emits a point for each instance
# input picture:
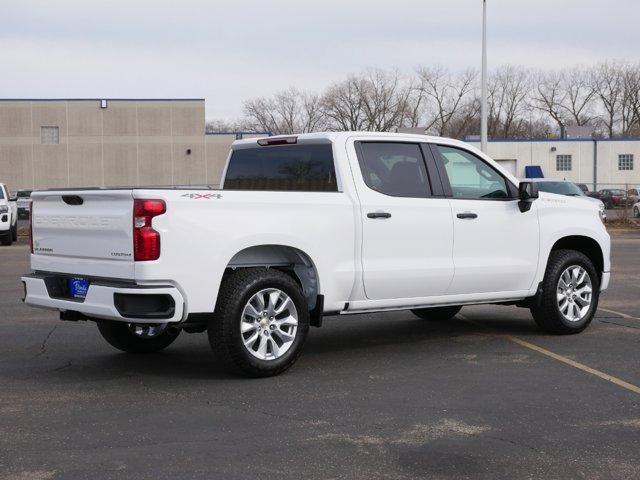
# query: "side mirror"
(527, 193)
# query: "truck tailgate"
(83, 232)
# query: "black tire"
(437, 313)
(121, 337)
(636, 213)
(14, 232)
(547, 313)
(224, 332)
(7, 238)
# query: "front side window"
(470, 177)
(563, 163)
(306, 167)
(395, 169)
(625, 161)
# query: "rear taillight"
(31, 224)
(146, 241)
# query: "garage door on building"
(510, 166)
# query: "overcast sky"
(231, 50)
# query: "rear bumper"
(105, 301)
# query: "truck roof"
(336, 136)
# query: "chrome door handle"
(468, 215)
(378, 215)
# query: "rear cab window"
(300, 168)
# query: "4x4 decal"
(204, 196)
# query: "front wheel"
(570, 292)
(14, 232)
(137, 338)
(260, 323)
(7, 238)
(437, 313)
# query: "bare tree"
(385, 100)
(522, 103)
(375, 100)
(226, 126)
(343, 104)
(608, 80)
(630, 108)
(446, 96)
(578, 95)
(508, 90)
(548, 97)
(288, 111)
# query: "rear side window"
(306, 168)
(395, 169)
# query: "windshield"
(561, 188)
(1, 192)
(24, 193)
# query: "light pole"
(483, 80)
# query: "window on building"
(563, 163)
(625, 161)
(49, 135)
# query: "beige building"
(98, 142)
(616, 160)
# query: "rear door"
(407, 230)
(83, 232)
(496, 246)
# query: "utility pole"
(483, 88)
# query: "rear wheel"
(636, 212)
(437, 313)
(260, 323)
(570, 292)
(136, 337)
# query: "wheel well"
(288, 259)
(585, 245)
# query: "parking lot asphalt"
(486, 395)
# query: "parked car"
(564, 187)
(613, 197)
(583, 187)
(633, 195)
(24, 203)
(8, 217)
(312, 225)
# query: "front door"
(407, 233)
(496, 246)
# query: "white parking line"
(560, 358)
(623, 315)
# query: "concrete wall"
(131, 142)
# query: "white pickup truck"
(311, 225)
(8, 217)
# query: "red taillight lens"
(146, 241)
(31, 224)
